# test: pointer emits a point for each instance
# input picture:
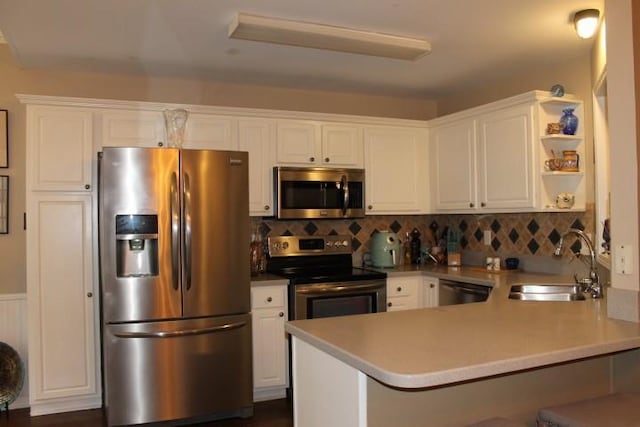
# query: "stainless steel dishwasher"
(453, 292)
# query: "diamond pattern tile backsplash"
(512, 234)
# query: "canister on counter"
(489, 263)
(496, 263)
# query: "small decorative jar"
(569, 122)
(571, 161)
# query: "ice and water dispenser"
(137, 245)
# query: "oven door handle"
(338, 288)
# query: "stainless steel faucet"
(591, 284)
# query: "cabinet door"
(60, 148)
(62, 342)
(131, 128)
(207, 132)
(402, 293)
(298, 143)
(505, 156)
(429, 294)
(269, 344)
(342, 146)
(395, 164)
(453, 166)
(257, 137)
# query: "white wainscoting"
(13, 331)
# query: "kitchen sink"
(546, 292)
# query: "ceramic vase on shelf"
(569, 122)
(175, 122)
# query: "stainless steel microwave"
(318, 193)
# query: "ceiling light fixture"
(586, 22)
(319, 36)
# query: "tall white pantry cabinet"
(63, 341)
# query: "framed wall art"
(4, 204)
(4, 139)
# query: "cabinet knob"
(266, 207)
(89, 294)
(471, 205)
(399, 288)
(160, 143)
(483, 204)
(312, 159)
(87, 187)
(281, 314)
(431, 285)
(370, 207)
(326, 159)
(389, 304)
(269, 299)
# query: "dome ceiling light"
(586, 22)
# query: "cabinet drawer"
(401, 303)
(268, 296)
(402, 287)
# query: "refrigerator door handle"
(174, 204)
(182, 333)
(187, 230)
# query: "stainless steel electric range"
(322, 279)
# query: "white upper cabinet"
(453, 166)
(342, 145)
(132, 128)
(257, 137)
(60, 148)
(208, 132)
(484, 161)
(316, 144)
(297, 143)
(505, 158)
(396, 170)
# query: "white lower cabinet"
(402, 293)
(64, 363)
(406, 293)
(270, 343)
(429, 292)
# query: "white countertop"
(442, 345)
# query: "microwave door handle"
(345, 194)
(187, 231)
(174, 206)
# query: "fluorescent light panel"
(319, 36)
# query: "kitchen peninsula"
(454, 365)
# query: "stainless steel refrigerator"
(174, 266)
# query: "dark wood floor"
(275, 413)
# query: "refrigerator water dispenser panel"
(137, 245)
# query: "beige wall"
(92, 85)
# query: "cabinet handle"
(389, 304)
(399, 288)
(370, 207)
(266, 207)
(312, 159)
(471, 205)
(87, 186)
(281, 314)
(326, 159)
(89, 294)
(269, 299)
(483, 204)
(160, 143)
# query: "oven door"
(318, 193)
(317, 300)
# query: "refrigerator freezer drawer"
(192, 369)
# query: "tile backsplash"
(513, 234)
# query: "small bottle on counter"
(415, 246)
(406, 249)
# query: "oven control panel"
(309, 245)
